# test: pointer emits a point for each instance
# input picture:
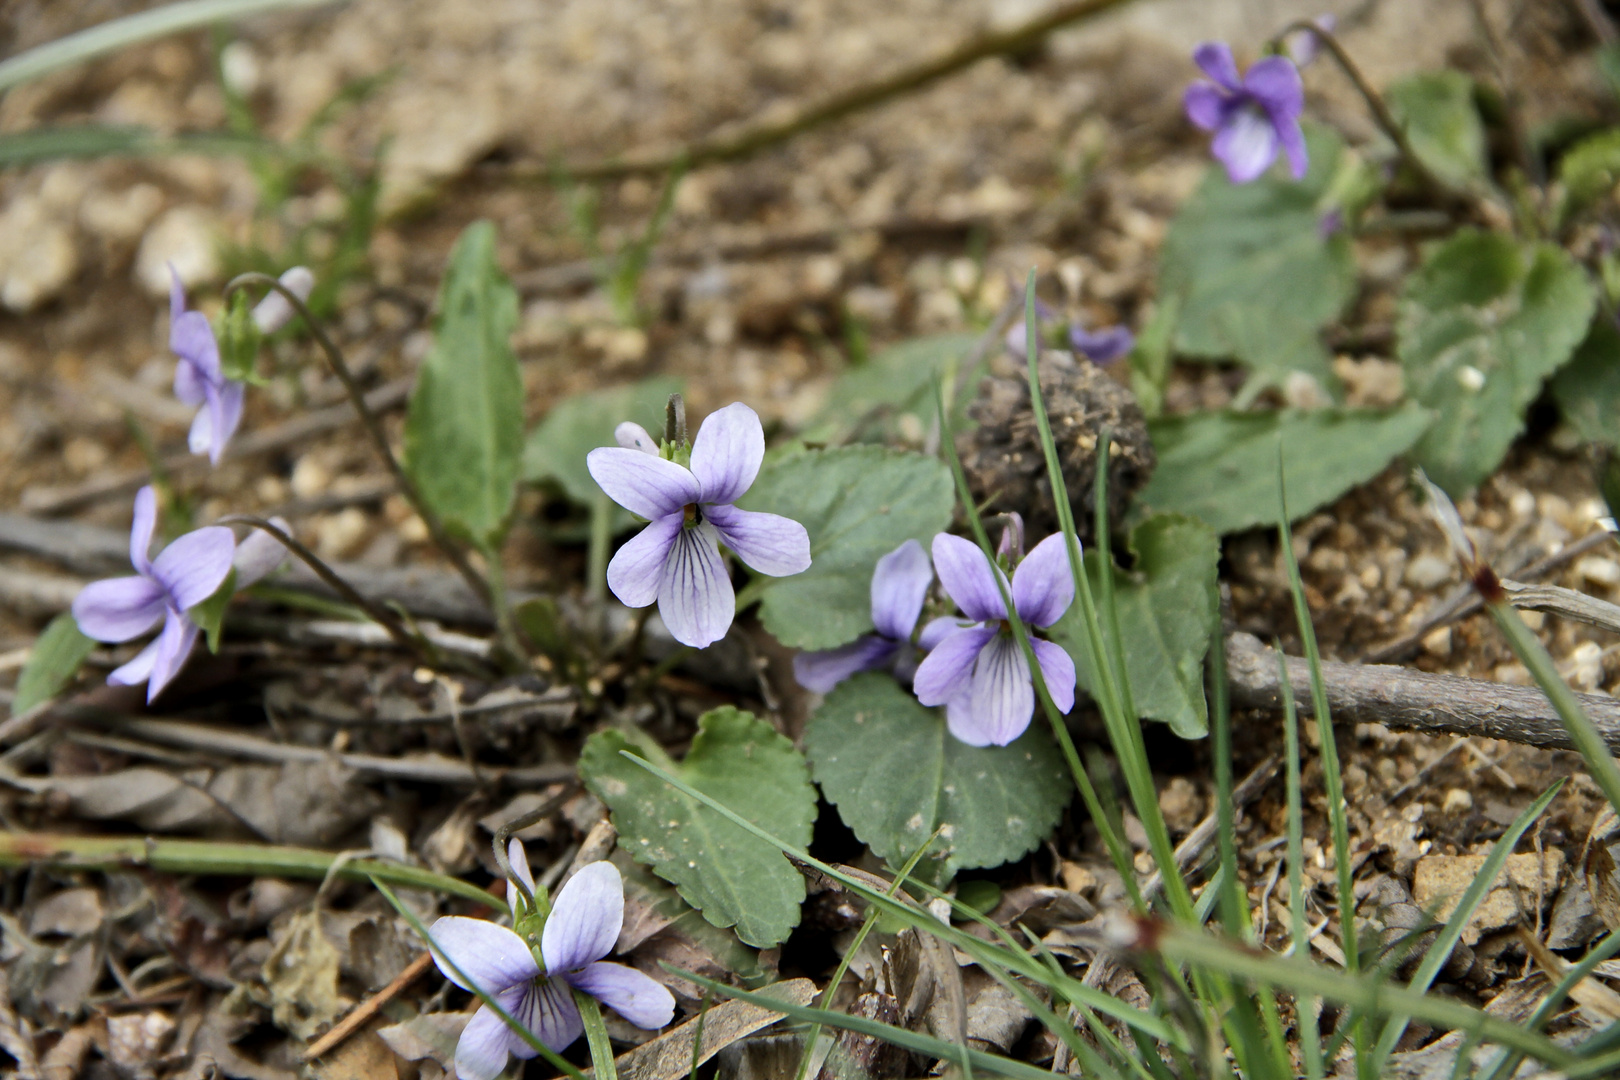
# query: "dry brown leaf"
(669, 1056)
(1439, 881)
(301, 974)
(1590, 994)
(65, 1060)
(431, 1035)
(364, 1056)
(136, 1040)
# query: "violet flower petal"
(823, 670)
(637, 568)
(965, 573)
(727, 453)
(193, 567)
(899, 586)
(189, 384)
(695, 597)
(1011, 545)
(633, 436)
(493, 957)
(274, 312)
(1205, 104)
(259, 554)
(1103, 346)
(961, 723)
(119, 608)
(632, 994)
(768, 543)
(1215, 58)
(139, 668)
(174, 645)
(192, 340)
(1042, 586)
(585, 919)
(519, 859)
(1293, 146)
(1057, 669)
(1246, 144)
(548, 1010)
(1274, 82)
(226, 407)
(643, 484)
(948, 669)
(482, 1049)
(1001, 695)
(938, 629)
(141, 529)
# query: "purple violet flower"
(1101, 346)
(1252, 118)
(584, 923)
(184, 574)
(198, 377)
(899, 585)
(1302, 46)
(274, 312)
(676, 560)
(977, 671)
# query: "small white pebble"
(1597, 569)
(1458, 801)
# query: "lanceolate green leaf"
(858, 503)
(464, 431)
(1256, 273)
(52, 663)
(1169, 609)
(1222, 466)
(1481, 324)
(896, 775)
(733, 878)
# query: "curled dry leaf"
(302, 977)
(1598, 867)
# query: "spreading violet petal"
(1042, 586)
(965, 573)
(119, 608)
(585, 919)
(194, 566)
(482, 1050)
(938, 629)
(646, 485)
(174, 645)
(632, 436)
(946, 670)
(1274, 82)
(141, 529)
(1293, 145)
(899, 586)
(491, 956)
(259, 554)
(768, 543)
(138, 670)
(637, 569)
(635, 996)
(1102, 346)
(1001, 696)
(519, 859)
(727, 453)
(1246, 144)
(1057, 670)
(821, 671)
(960, 722)
(1205, 104)
(549, 1011)
(1214, 58)
(695, 598)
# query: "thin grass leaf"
(1507, 1062)
(1310, 1036)
(96, 141)
(490, 1003)
(1436, 954)
(116, 34)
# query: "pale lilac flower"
(1101, 346)
(977, 671)
(1252, 118)
(274, 312)
(198, 377)
(184, 574)
(899, 585)
(259, 554)
(584, 923)
(1302, 46)
(676, 559)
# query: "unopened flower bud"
(274, 311)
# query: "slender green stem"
(597, 555)
(1310, 1036)
(106, 853)
(596, 1036)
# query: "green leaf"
(1480, 324)
(1590, 170)
(858, 503)
(52, 663)
(1234, 250)
(896, 775)
(1169, 610)
(1437, 110)
(1588, 387)
(734, 878)
(871, 402)
(575, 426)
(239, 340)
(209, 615)
(464, 430)
(1222, 466)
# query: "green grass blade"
(94, 141)
(1508, 1061)
(116, 34)
(1310, 1037)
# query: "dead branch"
(1409, 700)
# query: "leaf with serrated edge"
(464, 429)
(1588, 387)
(1437, 110)
(1233, 249)
(52, 663)
(1222, 466)
(858, 503)
(1169, 608)
(867, 401)
(1481, 324)
(896, 775)
(734, 878)
(575, 426)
